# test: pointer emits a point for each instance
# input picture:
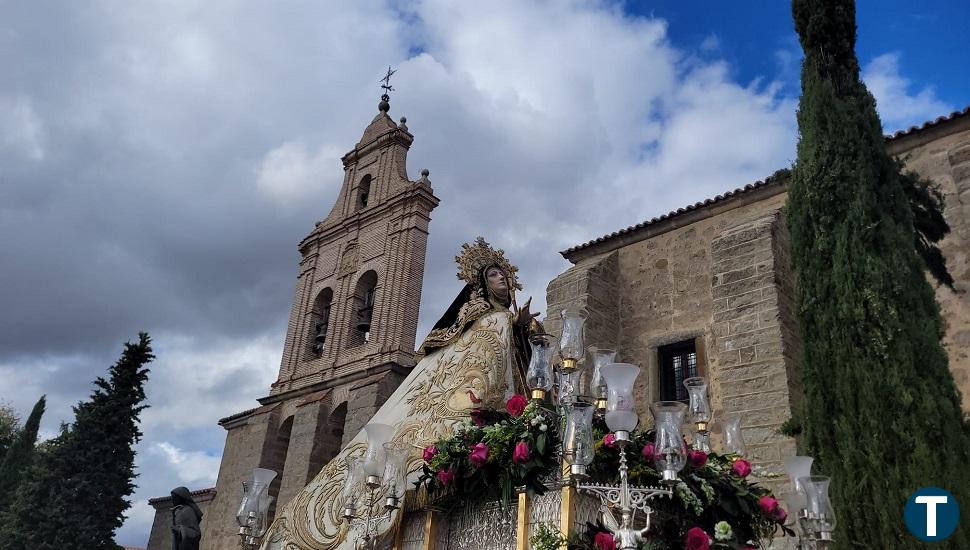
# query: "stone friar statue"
(475, 356)
(185, 520)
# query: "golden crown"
(475, 257)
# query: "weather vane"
(387, 83)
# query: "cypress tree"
(75, 496)
(20, 453)
(881, 413)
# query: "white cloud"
(21, 128)
(898, 107)
(291, 172)
(194, 468)
(710, 44)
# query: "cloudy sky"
(160, 161)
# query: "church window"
(320, 322)
(677, 363)
(364, 297)
(363, 192)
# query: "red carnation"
(446, 477)
(697, 539)
(516, 404)
(741, 467)
(648, 450)
(767, 504)
(479, 455)
(604, 541)
(697, 459)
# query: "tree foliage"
(881, 413)
(18, 456)
(74, 495)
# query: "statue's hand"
(523, 317)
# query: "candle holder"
(383, 470)
(600, 358)
(253, 514)
(733, 439)
(819, 515)
(669, 450)
(539, 374)
(571, 341)
(621, 418)
(699, 412)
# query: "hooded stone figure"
(185, 520)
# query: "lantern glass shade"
(396, 467)
(700, 407)
(374, 458)
(733, 440)
(621, 414)
(263, 476)
(571, 341)
(352, 479)
(262, 517)
(669, 449)
(819, 506)
(600, 358)
(539, 375)
(578, 439)
(798, 467)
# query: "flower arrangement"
(715, 505)
(493, 453)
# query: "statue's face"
(497, 283)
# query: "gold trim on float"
(430, 526)
(567, 511)
(522, 525)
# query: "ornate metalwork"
(488, 526)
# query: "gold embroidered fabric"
(441, 337)
(436, 395)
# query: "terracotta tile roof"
(778, 179)
(930, 123)
(773, 180)
(200, 492)
(237, 415)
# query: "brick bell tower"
(351, 335)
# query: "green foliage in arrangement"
(715, 498)
(881, 413)
(494, 453)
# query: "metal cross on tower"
(387, 83)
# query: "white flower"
(542, 427)
(722, 531)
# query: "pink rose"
(697, 459)
(521, 452)
(767, 504)
(697, 539)
(779, 515)
(609, 440)
(516, 404)
(604, 541)
(429, 453)
(741, 467)
(479, 455)
(648, 452)
(446, 477)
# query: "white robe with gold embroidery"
(425, 408)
